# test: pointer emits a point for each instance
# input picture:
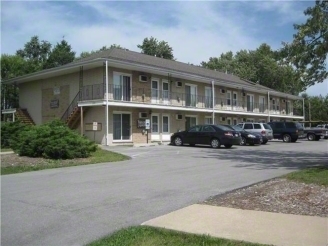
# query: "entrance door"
(250, 103)
(122, 87)
(166, 92)
(166, 128)
(121, 126)
(208, 97)
(228, 100)
(154, 91)
(190, 121)
(191, 95)
(154, 127)
(234, 101)
(235, 121)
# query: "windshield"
(224, 128)
(266, 126)
(237, 128)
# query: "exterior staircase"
(72, 114)
(23, 116)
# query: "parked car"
(262, 128)
(248, 137)
(325, 126)
(314, 133)
(213, 135)
(287, 131)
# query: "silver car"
(264, 129)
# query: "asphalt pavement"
(76, 205)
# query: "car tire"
(265, 142)
(311, 137)
(178, 141)
(228, 146)
(215, 143)
(243, 141)
(286, 138)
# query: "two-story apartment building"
(109, 95)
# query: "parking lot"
(84, 203)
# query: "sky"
(196, 30)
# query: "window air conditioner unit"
(222, 119)
(178, 84)
(222, 91)
(143, 78)
(178, 116)
(143, 115)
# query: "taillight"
(228, 134)
(263, 132)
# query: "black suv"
(287, 131)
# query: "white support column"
(303, 110)
(213, 101)
(82, 130)
(107, 104)
(269, 106)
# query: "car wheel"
(286, 138)
(243, 141)
(265, 141)
(215, 143)
(228, 146)
(177, 141)
(311, 137)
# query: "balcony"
(164, 97)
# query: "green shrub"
(53, 140)
(10, 132)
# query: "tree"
(156, 48)
(35, 53)
(261, 66)
(60, 55)
(11, 66)
(309, 48)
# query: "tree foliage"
(85, 54)
(60, 55)
(309, 48)
(315, 107)
(261, 65)
(151, 46)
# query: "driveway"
(75, 205)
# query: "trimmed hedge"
(53, 140)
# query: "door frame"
(262, 102)
(229, 107)
(196, 91)
(167, 100)
(155, 136)
(131, 133)
(155, 101)
(253, 101)
(208, 88)
(127, 75)
(235, 107)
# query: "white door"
(235, 101)
(154, 91)
(250, 103)
(208, 97)
(228, 100)
(262, 104)
(154, 127)
(166, 92)
(166, 128)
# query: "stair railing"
(71, 107)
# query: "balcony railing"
(164, 97)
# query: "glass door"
(229, 100)
(166, 92)
(122, 87)
(250, 103)
(208, 97)
(121, 127)
(154, 91)
(191, 94)
(190, 122)
(234, 100)
(262, 104)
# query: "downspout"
(107, 103)
(269, 106)
(213, 113)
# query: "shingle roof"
(136, 57)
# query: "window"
(121, 87)
(121, 126)
(229, 121)
(208, 97)
(190, 122)
(191, 95)
(154, 123)
(208, 120)
(279, 125)
(257, 126)
(248, 126)
(266, 126)
(240, 125)
(165, 125)
(195, 129)
(207, 129)
(229, 98)
(290, 125)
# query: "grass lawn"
(149, 236)
(12, 163)
(313, 175)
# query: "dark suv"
(287, 131)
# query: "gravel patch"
(279, 196)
